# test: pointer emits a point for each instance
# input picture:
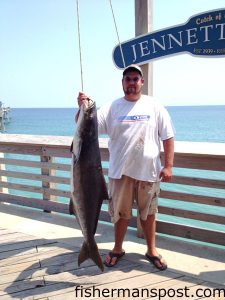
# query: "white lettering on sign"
(187, 37)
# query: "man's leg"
(120, 229)
(149, 228)
(120, 209)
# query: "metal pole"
(144, 24)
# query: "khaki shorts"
(125, 190)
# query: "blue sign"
(202, 35)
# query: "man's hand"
(81, 97)
(166, 174)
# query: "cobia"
(88, 187)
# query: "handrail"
(35, 172)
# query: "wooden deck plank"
(66, 296)
(32, 256)
(21, 252)
(23, 244)
(39, 292)
(17, 252)
(14, 236)
(20, 267)
(18, 276)
(21, 285)
(126, 269)
(33, 270)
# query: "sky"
(40, 63)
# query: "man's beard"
(131, 91)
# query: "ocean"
(192, 123)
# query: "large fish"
(88, 187)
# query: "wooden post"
(3, 178)
(47, 184)
(143, 24)
(2, 127)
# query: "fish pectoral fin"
(71, 147)
(105, 194)
(75, 149)
(71, 207)
(91, 253)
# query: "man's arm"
(168, 146)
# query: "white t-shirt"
(135, 130)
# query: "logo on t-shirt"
(135, 118)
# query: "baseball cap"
(133, 68)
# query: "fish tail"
(90, 252)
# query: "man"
(135, 125)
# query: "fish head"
(88, 107)
(86, 129)
(88, 126)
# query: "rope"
(79, 40)
(78, 29)
(121, 50)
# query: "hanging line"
(121, 50)
(78, 29)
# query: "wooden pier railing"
(35, 172)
